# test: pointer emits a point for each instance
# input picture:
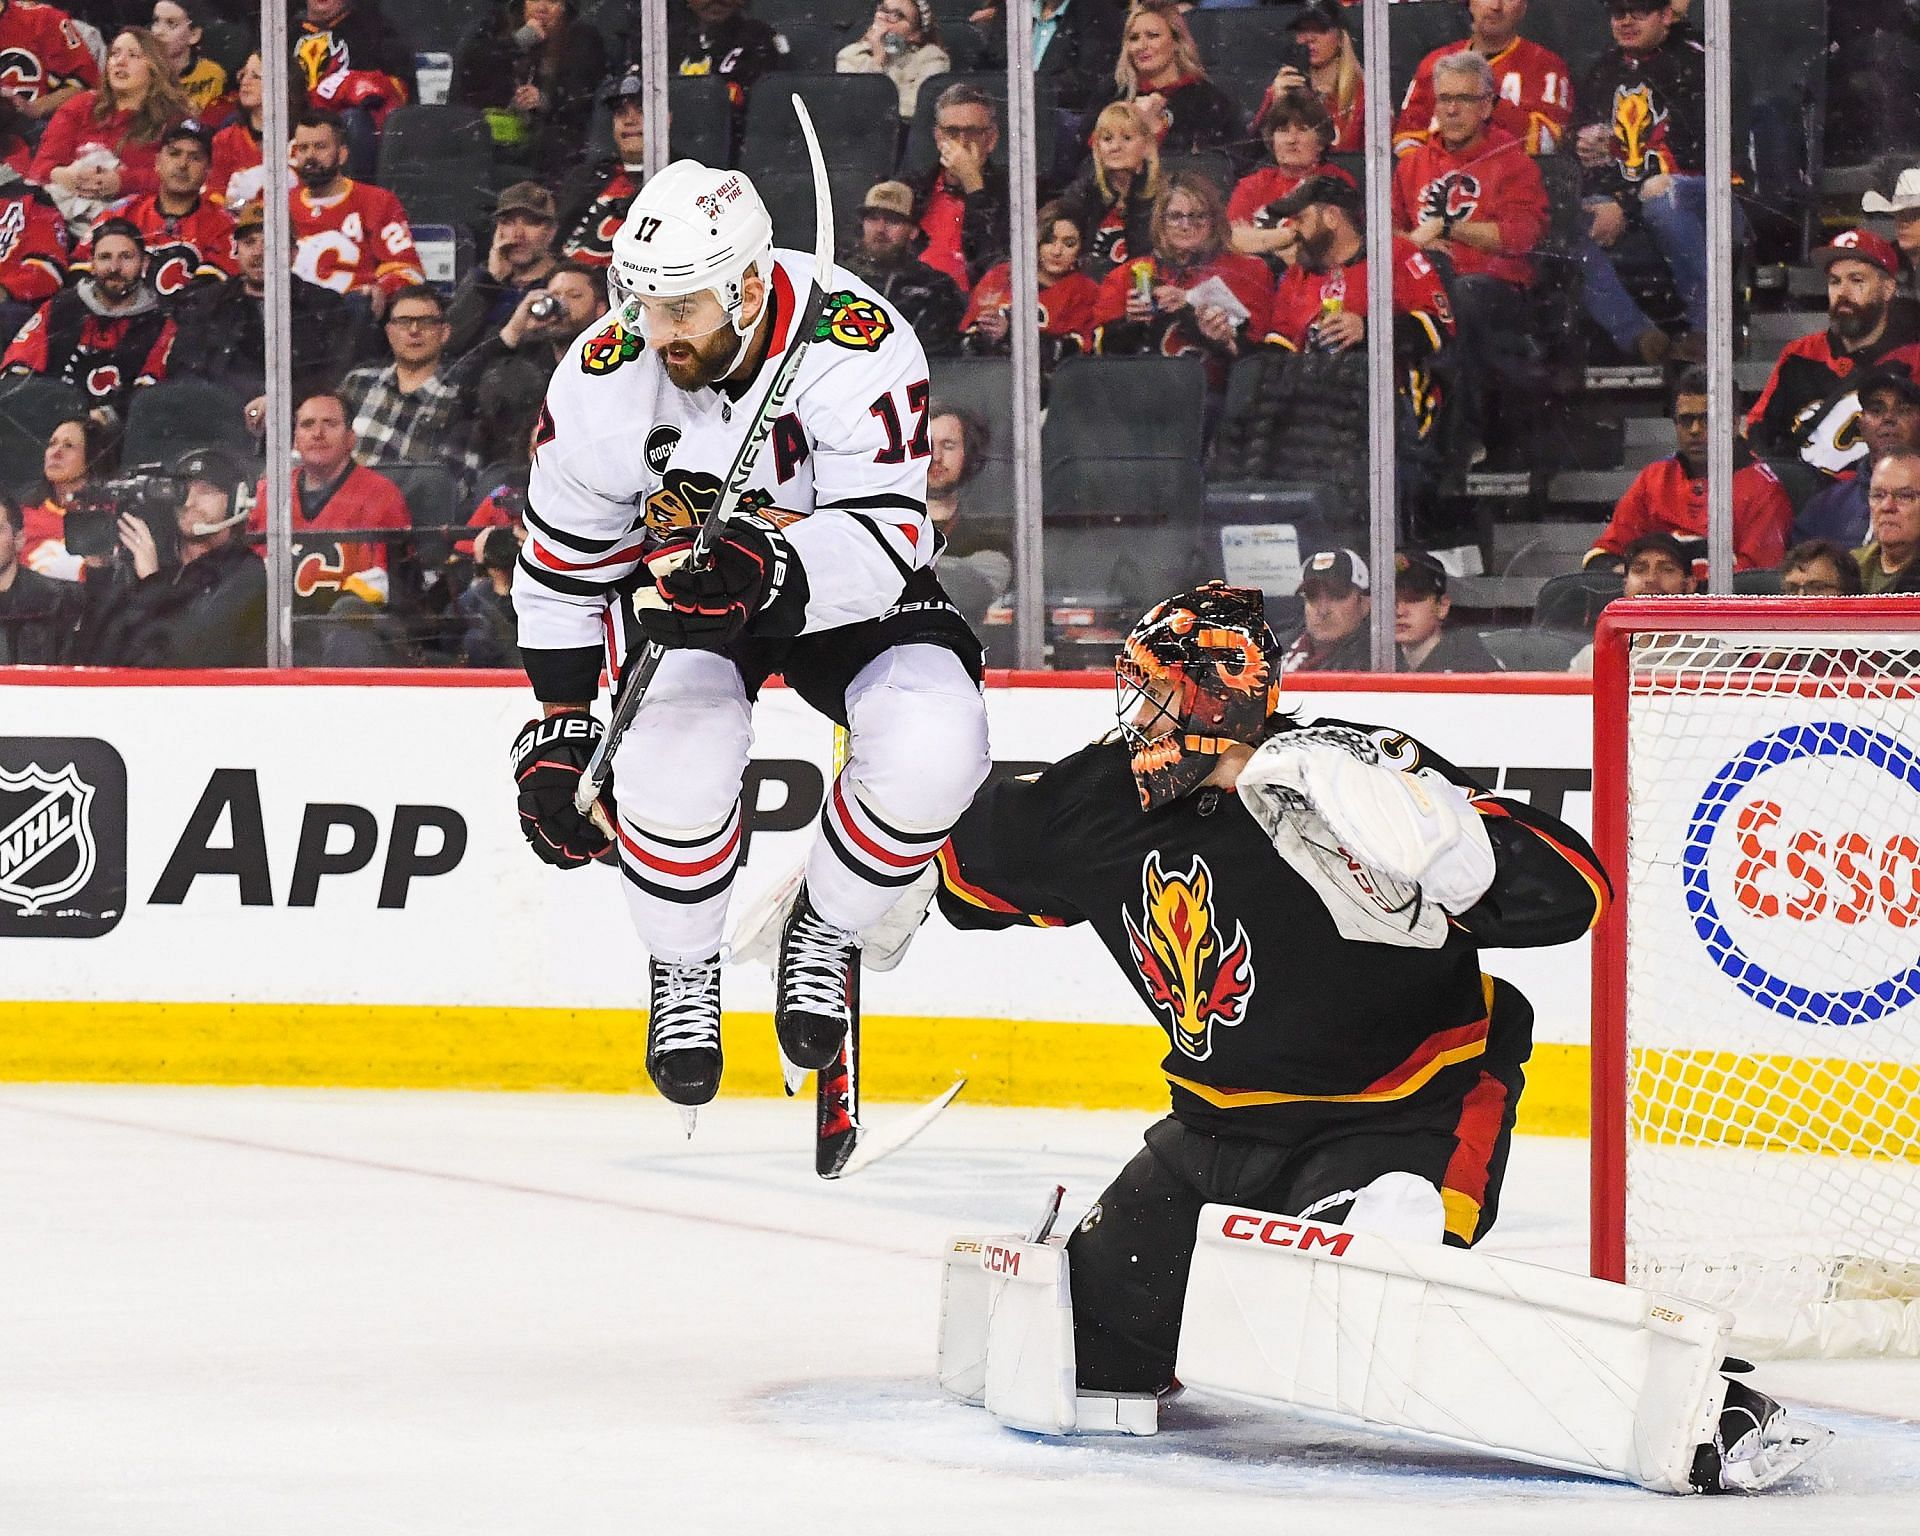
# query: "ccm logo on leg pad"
(1282, 1232)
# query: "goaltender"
(1302, 908)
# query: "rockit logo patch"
(63, 837)
(661, 442)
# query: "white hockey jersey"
(623, 458)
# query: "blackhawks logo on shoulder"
(606, 350)
(850, 321)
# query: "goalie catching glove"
(548, 758)
(750, 575)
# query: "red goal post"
(1756, 994)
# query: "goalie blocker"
(1433, 1343)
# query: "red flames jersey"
(105, 357)
(1664, 498)
(33, 245)
(236, 150)
(1418, 295)
(323, 567)
(1534, 100)
(589, 239)
(195, 248)
(1066, 308)
(359, 238)
(1492, 181)
(41, 51)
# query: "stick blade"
(894, 1137)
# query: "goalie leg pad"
(1006, 1341)
(1454, 1346)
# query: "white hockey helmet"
(689, 229)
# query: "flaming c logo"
(1636, 124)
(1177, 951)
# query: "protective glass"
(687, 317)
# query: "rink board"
(317, 878)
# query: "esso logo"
(1801, 872)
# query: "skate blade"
(688, 1115)
(794, 1077)
(1779, 1460)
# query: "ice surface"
(273, 1313)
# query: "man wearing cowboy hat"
(1904, 205)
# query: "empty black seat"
(701, 119)
(168, 419)
(854, 115)
(415, 139)
(1122, 440)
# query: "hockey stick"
(586, 797)
(836, 1089)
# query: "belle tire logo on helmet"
(63, 837)
(1779, 874)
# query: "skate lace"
(683, 1013)
(817, 967)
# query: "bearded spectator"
(1471, 190)
(1298, 134)
(55, 64)
(1819, 568)
(178, 27)
(927, 299)
(349, 236)
(1904, 207)
(716, 39)
(108, 334)
(1148, 305)
(189, 237)
(960, 204)
(237, 174)
(1809, 412)
(78, 449)
(520, 259)
(334, 495)
(1327, 65)
(1067, 297)
(1336, 587)
(348, 61)
(34, 262)
(1670, 496)
(903, 43)
(1421, 607)
(102, 144)
(1112, 198)
(223, 332)
(1889, 423)
(594, 203)
(36, 615)
(976, 566)
(545, 323)
(1893, 502)
(1641, 142)
(1533, 94)
(410, 411)
(1160, 75)
(533, 67)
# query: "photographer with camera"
(172, 582)
(523, 353)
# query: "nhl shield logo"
(47, 848)
(63, 837)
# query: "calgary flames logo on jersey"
(1455, 196)
(13, 224)
(853, 322)
(607, 350)
(1177, 951)
(1639, 131)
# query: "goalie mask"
(1197, 673)
(679, 260)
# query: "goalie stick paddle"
(586, 797)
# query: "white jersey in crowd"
(623, 458)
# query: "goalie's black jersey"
(1277, 1023)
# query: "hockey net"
(1756, 1122)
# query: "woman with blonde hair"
(102, 144)
(1161, 76)
(1332, 74)
(1112, 198)
(902, 43)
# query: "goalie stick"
(586, 797)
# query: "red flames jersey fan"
(1423, 319)
(355, 239)
(588, 235)
(325, 568)
(194, 248)
(106, 355)
(33, 244)
(41, 51)
(1534, 99)
(1493, 181)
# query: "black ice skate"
(813, 1003)
(1755, 1444)
(683, 1033)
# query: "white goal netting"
(1772, 999)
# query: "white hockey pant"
(918, 732)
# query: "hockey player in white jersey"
(824, 576)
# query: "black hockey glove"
(708, 609)
(548, 758)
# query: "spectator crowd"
(1195, 199)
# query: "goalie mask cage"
(1756, 1022)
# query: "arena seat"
(444, 139)
(1527, 649)
(1122, 440)
(700, 119)
(851, 113)
(434, 503)
(168, 419)
(1295, 422)
(811, 45)
(1573, 600)
(30, 408)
